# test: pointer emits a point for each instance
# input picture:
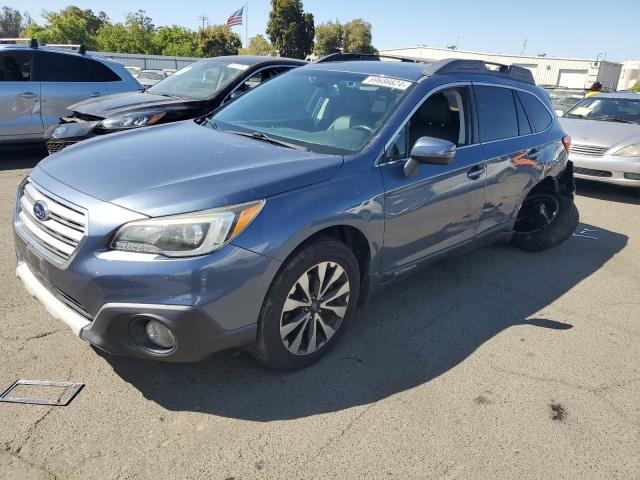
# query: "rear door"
(440, 207)
(510, 145)
(65, 79)
(19, 98)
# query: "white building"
(630, 75)
(564, 72)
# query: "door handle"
(28, 95)
(475, 172)
(95, 94)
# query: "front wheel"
(545, 220)
(307, 306)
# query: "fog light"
(632, 176)
(159, 334)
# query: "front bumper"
(211, 303)
(67, 134)
(608, 169)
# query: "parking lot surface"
(492, 364)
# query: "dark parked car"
(191, 92)
(268, 223)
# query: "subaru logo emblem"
(41, 210)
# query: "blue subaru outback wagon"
(267, 223)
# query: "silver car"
(37, 84)
(605, 133)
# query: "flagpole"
(246, 25)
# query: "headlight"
(188, 234)
(131, 120)
(629, 151)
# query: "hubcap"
(314, 308)
(537, 213)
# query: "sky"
(569, 28)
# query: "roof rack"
(343, 57)
(456, 65)
(80, 48)
(33, 42)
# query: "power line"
(203, 18)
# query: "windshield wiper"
(265, 138)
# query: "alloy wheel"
(314, 308)
(537, 213)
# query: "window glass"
(103, 73)
(260, 77)
(398, 148)
(60, 67)
(15, 67)
(200, 80)
(497, 116)
(607, 109)
(537, 113)
(443, 115)
(324, 111)
(523, 122)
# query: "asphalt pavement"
(495, 364)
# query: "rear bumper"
(608, 169)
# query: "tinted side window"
(497, 115)
(15, 67)
(59, 67)
(524, 127)
(101, 72)
(537, 113)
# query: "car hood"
(598, 132)
(111, 105)
(184, 167)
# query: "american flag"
(235, 18)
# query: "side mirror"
(429, 150)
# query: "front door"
(440, 207)
(19, 98)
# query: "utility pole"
(203, 18)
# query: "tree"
(258, 45)
(12, 22)
(69, 25)
(636, 87)
(329, 38)
(218, 40)
(136, 35)
(357, 37)
(175, 40)
(290, 30)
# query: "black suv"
(191, 92)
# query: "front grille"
(588, 150)
(53, 147)
(60, 232)
(68, 300)
(591, 172)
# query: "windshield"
(324, 111)
(200, 80)
(623, 110)
(565, 99)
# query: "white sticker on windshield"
(387, 82)
(238, 66)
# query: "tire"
(559, 229)
(284, 342)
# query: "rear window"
(103, 73)
(60, 67)
(496, 113)
(536, 111)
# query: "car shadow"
(416, 330)
(607, 191)
(17, 158)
